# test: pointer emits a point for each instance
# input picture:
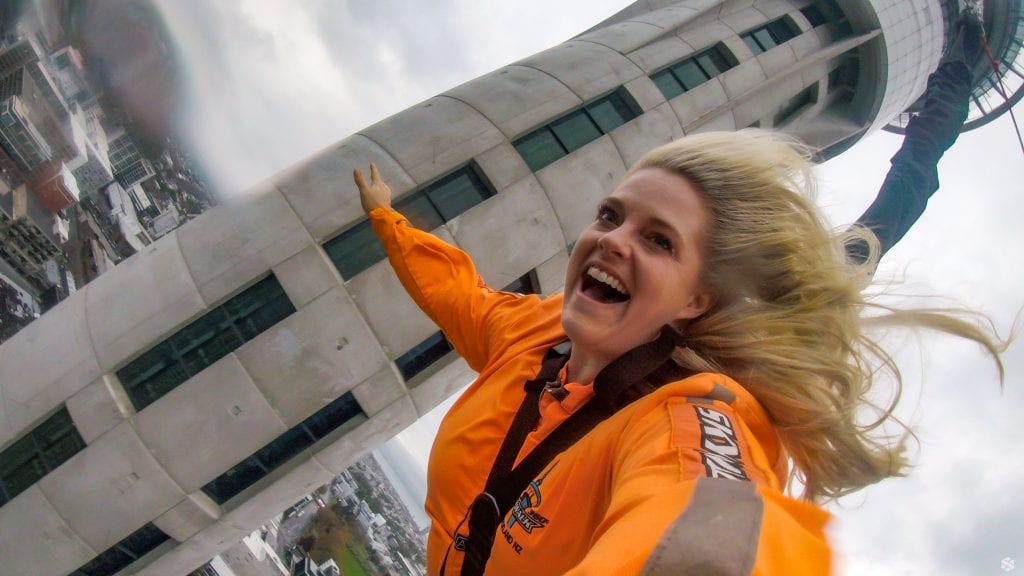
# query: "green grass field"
(334, 539)
(349, 564)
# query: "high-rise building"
(28, 232)
(19, 136)
(242, 360)
(90, 166)
(21, 61)
(134, 173)
(122, 151)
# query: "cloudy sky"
(270, 82)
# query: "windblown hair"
(791, 321)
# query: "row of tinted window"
(572, 131)
(429, 351)
(206, 340)
(283, 448)
(133, 547)
(796, 104)
(828, 12)
(422, 355)
(764, 38)
(357, 249)
(845, 75)
(693, 71)
(47, 446)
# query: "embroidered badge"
(523, 512)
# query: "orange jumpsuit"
(685, 480)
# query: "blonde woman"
(712, 343)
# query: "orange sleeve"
(792, 537)
(444, 283)
(672, 513)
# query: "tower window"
(796, 104)
(283, 448)
(43, 449)
(133, 547)
(206, 340)
(436, 346)
(764, 38)
(427, 208)
(842, 79)
(573, 130)
(423, 355)
(525, 284)
(693, 71)
(828, 12)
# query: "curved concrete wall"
(912, 31)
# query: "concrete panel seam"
(638, 69)
(551, 207)
(369, 327)
(595, 42)
(634, 62)
(57, 513)
(535, 69)
(696, 15)
(262, 393)
(315, 458)
(392, 156)
(131, 424)
(626, 56)
(191, 274)
(88, 325)
(557, 79)
(764, 21)
(298, 218)
(471, 107)
(15, 434)
(618, 150)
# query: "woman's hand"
(375, 195)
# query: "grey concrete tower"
(180, 400)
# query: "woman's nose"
(615, 242)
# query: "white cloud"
(270, 83)
(959, 510)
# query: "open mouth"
(602, 287)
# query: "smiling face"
(637, 266)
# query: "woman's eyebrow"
(611, 202)
(619, 205)
(664, 224)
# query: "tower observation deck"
(996, 88)
(180, 400)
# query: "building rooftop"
(10, 85)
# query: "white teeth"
(600, 276)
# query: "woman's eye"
(605, 214)
(661, 242)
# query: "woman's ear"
(700, 302)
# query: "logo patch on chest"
(523, 511)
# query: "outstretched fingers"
(357, 175)
(376, 194)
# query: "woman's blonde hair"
(790, 320)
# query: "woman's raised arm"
(441, 279)
(376, 194)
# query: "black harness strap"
(619, 384)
